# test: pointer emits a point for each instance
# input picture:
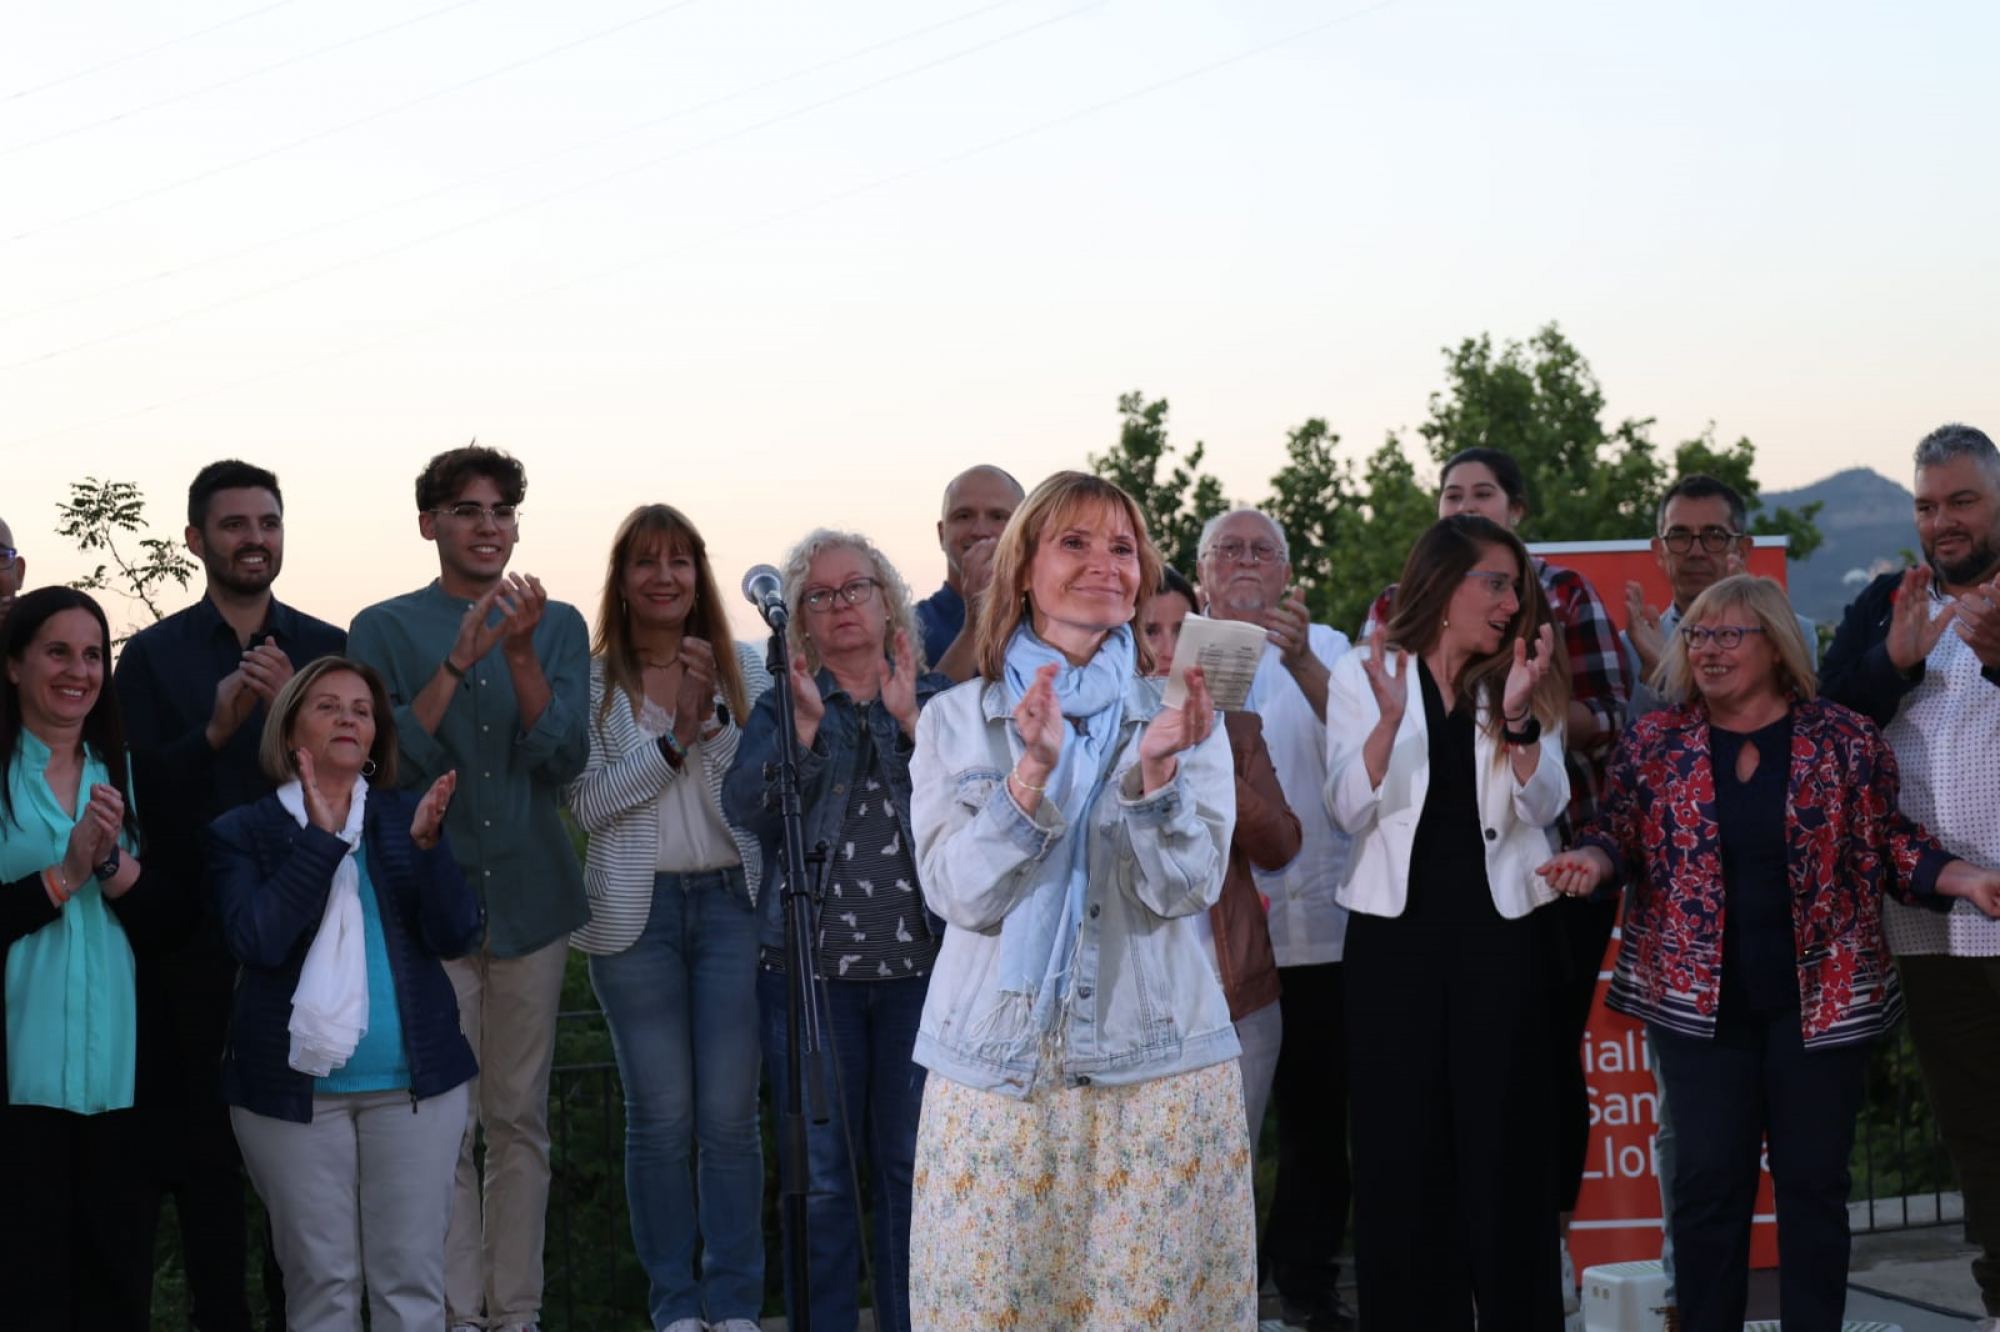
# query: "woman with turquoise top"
(79, 1166)
(345, 1071)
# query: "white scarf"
(330, 1005)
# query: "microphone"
(763, 589)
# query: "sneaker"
(734, 1325)
(686, 1325)
(1572, 1296)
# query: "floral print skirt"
(1085, 1207)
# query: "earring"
(1445, 625)
(368, 767)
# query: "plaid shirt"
(1596, 676)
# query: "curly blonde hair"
(899, 612)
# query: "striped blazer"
(1847, 844)
(615, 801)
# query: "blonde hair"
(669, 529)
(899, 614)
(274, 748)
(1772, 609)
(1054, 504)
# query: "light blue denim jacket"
(1144, 1001)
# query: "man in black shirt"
(193, 689)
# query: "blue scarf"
(1039, 936)
(72, 1007)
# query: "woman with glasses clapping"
(1759, 827)
(856, 690)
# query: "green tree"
(93, 516)
(1732, 466)
(1347, 534)
(1175, 504)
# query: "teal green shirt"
(503, 821)
(378, 1062)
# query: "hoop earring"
(368, 767)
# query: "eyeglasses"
(1232, 551)
(855, 592)
(1714, 540)
(1498, 584)
(1726, 636)
(7, 557)
(503, 515)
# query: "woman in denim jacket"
(856, 691)
(1082, 1159)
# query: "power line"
(342, 128)
(552, 195)
(804, 71)
(144, 51)
(731, 233)
(234, 78)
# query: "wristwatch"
(105, 871)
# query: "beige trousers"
(493, 1252)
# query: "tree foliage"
(1349, 528)
(93, 516)
(1176, 504)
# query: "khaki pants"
(493, 1253)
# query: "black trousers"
(1954, 1011)
(1307, 1225)
(1448, 1066)
(1579, 932)
(76, 1249)
(1756, 1081)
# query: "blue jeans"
(875, 1092)
(684, 1025)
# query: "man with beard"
(1245, 573)
(977, 505)
(193, 689)
(1919, 652)
(13, 569)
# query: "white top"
(1308, 924)
(693, 836)
(1945, 735)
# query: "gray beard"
(1975, 567)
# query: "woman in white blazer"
(673, 932)
(1445, 763)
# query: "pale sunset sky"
(788, 264)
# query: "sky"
(786, 264)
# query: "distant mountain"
(1867, 517)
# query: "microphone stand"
(804, 1040)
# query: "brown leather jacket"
(1267, 836)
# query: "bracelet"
(52, 879)
(672, 749)
(1527, 735)
(451, 668)
(1018, 780)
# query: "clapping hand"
(899, 684)
(1173, 730)
(1525, 676)
(807, 706)
(1978, 615)
(1038, 718)
(1642, 626)
(1391, 689)
(427, 825)
(318, 812)
(520, 599)
(1913, 630)
(694, 701)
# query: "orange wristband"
(53, 882)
